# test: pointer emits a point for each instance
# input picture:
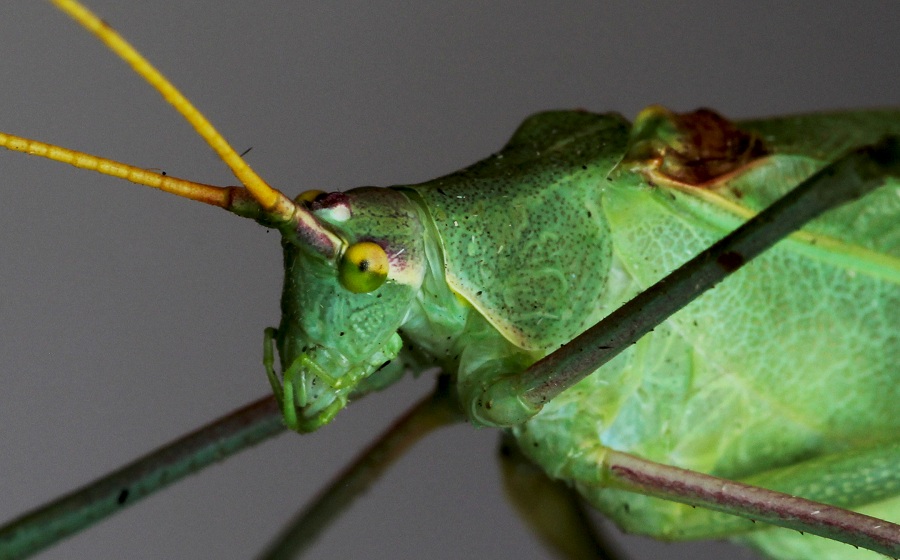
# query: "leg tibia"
(861, 479)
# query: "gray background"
(130, 317)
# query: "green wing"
(803, 144)
(806, 321)
(824, 136)
(795, 356)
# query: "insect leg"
(435, 411)
(552, 509)
(73, 512)
(284, 392)
(269, 336)
(865, 478)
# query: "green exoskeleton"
(487, 270)
(499, 264)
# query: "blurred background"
(130, 316)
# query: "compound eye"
(364, 267)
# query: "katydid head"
(341, 312)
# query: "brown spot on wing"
(696, 148)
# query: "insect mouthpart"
(320, 379)
(309, 392)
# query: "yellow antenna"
(217, 196)
(255, 200)
(273, 201)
